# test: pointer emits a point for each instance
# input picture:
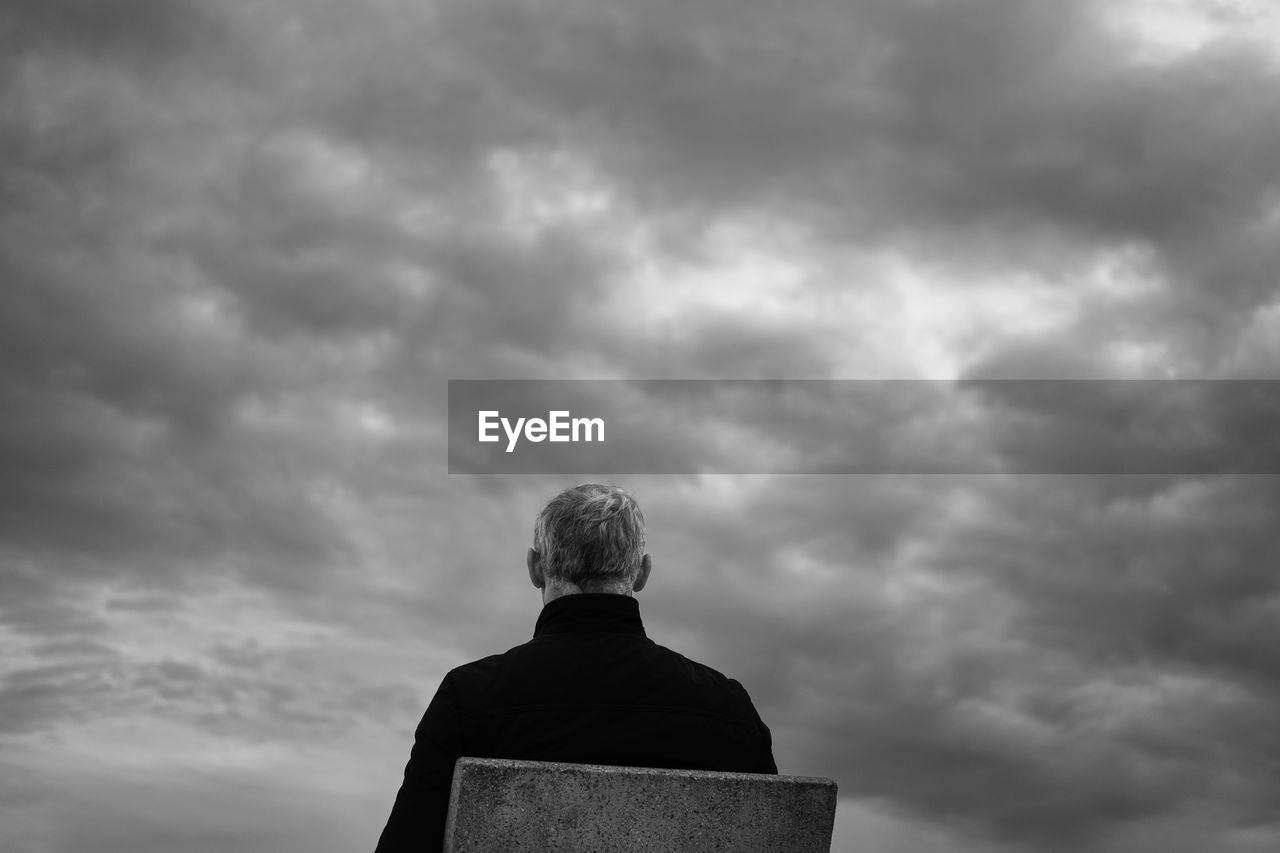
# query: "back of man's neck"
(559, 590)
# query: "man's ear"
(534, 561)
(642, 577)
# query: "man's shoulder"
(695, 668)
(485, 667)
(708, 676)
(491, 671)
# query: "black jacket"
(589, 688)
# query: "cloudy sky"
(244, 244)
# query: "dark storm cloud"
(511, 307)
(885, 103)
(722, 347)
(124, 379)
(125, 31)
(40, 697)
(34, 603)
(1149, 592)
(1173, 570)
(1058, 125)
(270, 697)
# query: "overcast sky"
(245, 243)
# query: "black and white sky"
(244, 244)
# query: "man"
(589, 688)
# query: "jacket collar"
(590, 612)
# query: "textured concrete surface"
(519, 806)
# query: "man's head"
(589, 538)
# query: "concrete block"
(536, 807)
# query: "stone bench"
(519, 806)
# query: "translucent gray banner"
(1192, 427)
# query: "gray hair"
(590, 536)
